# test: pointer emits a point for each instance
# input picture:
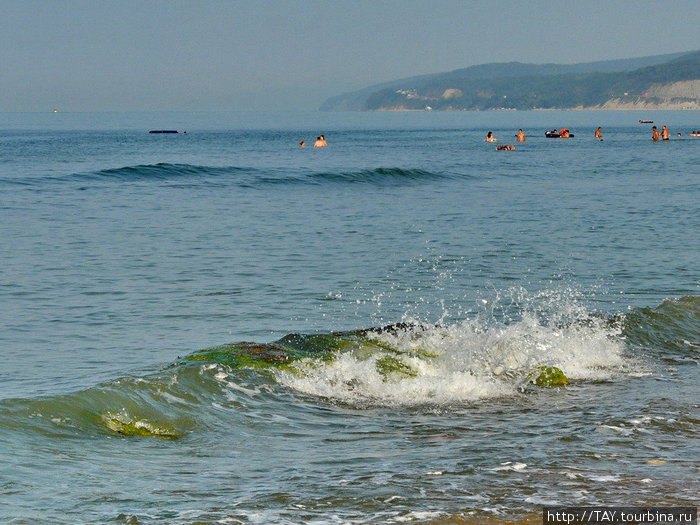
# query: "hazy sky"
(132, 55)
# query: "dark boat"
(554, 134)
(646, 121)
(166, 131)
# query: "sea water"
(220, 326)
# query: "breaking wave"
(408, 364)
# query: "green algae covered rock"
(128, 426)
(391, 366)
(256, 355)
(549, 376)
(297, 353)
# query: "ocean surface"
(407, 326)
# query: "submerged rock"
(134, 427)
(390, 366)
(549, 376)
(281, 354)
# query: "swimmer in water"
(654, 134)
(520, 137)
(664, 133)
(598, 133)
(490, 137)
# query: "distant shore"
(608, 106)
(619, 105)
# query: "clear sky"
(141, 55)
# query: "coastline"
(608, 106)
(619, 105)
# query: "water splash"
(538, 343)
(460, 363)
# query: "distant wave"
(250, 177)
(163, 170)
(381, 176)
(243, 176)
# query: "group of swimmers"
(598, 134)
(656, 135)
(319, 143)
(520, 137)
(665, 135)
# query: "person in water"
(598, 133)
(302, 144)
(564, 133)
(520, 137)
(506, 147)
(664, 133)
(490, 137)
(320, 142)
(654, 134)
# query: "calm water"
(134, 266)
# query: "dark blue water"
(126, 253)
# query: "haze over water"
(132, 261)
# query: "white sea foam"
(419, 516)
(511, 466)
(466, 361)
(605, 478)
(619, 430)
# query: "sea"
(406, 326)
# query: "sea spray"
(477, 358)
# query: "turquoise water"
(222, 327)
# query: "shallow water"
(132, 261)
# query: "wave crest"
(408, 364)
(672, 328)
(162, 171)
(468, 361)
(247, 177)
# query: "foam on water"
(466, 361)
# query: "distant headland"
(657, 82)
